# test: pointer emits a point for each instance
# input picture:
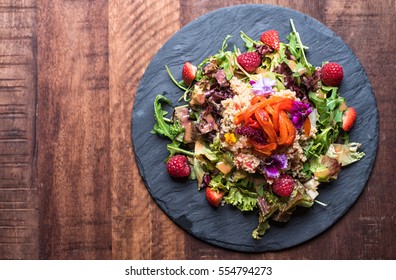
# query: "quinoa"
(247, 162)
(235, 105)
(295, 155)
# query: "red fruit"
(188, 73)
(249, 61)
(332, 74)
(271, 38)
(214, 197)
(178, 166)
(348, 119)
(283, 185)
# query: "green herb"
(296, 48)
(249, 42)
(161, 126)
(180, 84)
(225, 59)
(174, 148)
(327, 102)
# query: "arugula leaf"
(249, 42)
(224, 59)
(296, 48)
(328, 103)
(161, 126)
(180, 84)
(174, 148)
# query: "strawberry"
(348, 119)
(249, 61)
(178, 166)
(332, 74)
(271, 38)
(214, 197)
(188, 73)
(283, 185)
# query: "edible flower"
(230, 138)
(263, 86)
(273, 165)
(299, 113)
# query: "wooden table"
(69, 185)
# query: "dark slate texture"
(227, 227)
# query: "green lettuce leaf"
(345, 153)
(243, 199)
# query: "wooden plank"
(18, 197)
(137, 30)
(73, 175)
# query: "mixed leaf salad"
(259, 129)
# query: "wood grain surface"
(69, 184)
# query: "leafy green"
(268, 205)
(325, 168)
(174, 148)
(296, 48)
(243, 199)
(161, 126)
(179, 84)
(240, 192)
(225, 59)
(199, 171)
(345, 154)
(328, 103)
(249, 42)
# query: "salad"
(259, 128)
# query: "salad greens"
(200, 130)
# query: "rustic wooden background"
(69, 185)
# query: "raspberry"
(332, 74)
(249, 61)
(178, 166)
(283, 185)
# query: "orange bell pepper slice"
(264, 121)
(274, 114)
(265, 149)
(307, 127)
(291, 133)
(287, 132)
(286, 104)
(282, 128)
(262, 104)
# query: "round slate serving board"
(226, 226)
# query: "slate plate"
(227, 227)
